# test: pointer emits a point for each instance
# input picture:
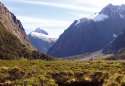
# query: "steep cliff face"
(116, 45)
(89, 35)
(13, 25)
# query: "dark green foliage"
(38, 55)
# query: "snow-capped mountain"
(89, 35)
(41, 40)
(113, 11)
(39, 30)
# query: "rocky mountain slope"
(116, 45)
(89, 35)
(41, 40)
(13, 25)
(14, 42)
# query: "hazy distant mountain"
(39, 30)
(89, 35)
(41, 40)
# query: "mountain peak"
(39, 30)
(41, 40)
(112, 10)
(90, 35)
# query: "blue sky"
(54, 16)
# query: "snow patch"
(78, 22)
(39, 30)
(82, 20)
(100, 17)
(114, 35)
(122, 16)
(42, 36)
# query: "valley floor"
(62, 73)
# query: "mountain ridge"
(88, 35)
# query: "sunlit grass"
(49, 73)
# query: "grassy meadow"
(25, 72)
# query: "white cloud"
(77, 8)
(83, 6)
(80, 5)
(54, 27)
(44, 22)
(73, 5)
